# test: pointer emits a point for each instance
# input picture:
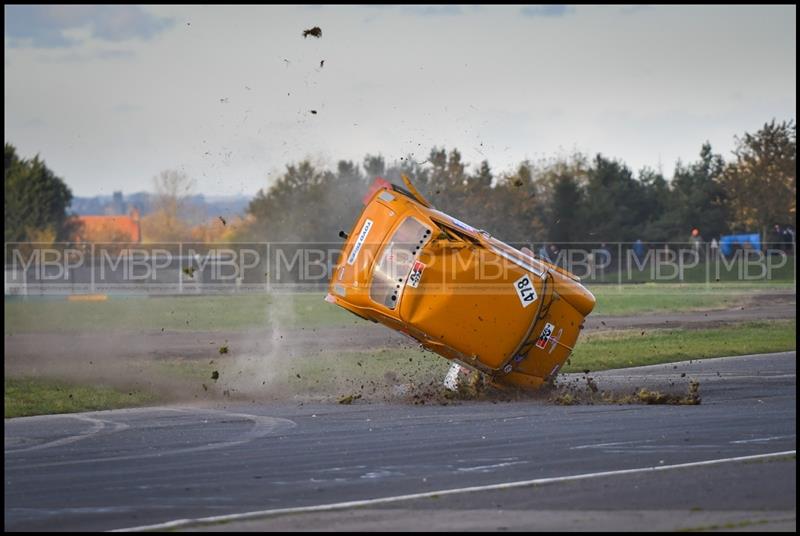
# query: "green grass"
(654, 297)
(370, 369)
(325, 372)
(241, 312)
(190, 313)
(631, 348)
(373, 370)
(347, 372)
(29, 396)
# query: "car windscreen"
(391, 271)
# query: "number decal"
(525, 290)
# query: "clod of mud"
(314, 112)
(321, 63)
(315, 32)
(569, 394)
(223, 349)
(564, 399)
(222, 220)
(189, 271)
(215, 375)
(349, 398)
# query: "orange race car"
(458, 291)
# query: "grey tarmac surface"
(130, 468)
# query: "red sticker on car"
(416, 274)
(547, 332)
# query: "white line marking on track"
(762, 439)
(182, 523)
(98, 425)
(262, 426)
(485, 468)
(614, 444)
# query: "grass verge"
(240, 312)
(383, 370)
(30, 396)
(616, 300)
(633, 348)
(171, 313)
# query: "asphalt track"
(142, 467)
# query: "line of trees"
(574, 199)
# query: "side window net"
(397, 258)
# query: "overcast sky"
(112, 95)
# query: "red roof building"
(110, 228)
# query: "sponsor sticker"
(362, 235)
(525, 290)
(416, 274)
(547, 332)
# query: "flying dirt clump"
(568, 395)
(564, 399)
(315, 32)
(223, 349)
(349, 399)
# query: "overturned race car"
(458, 291)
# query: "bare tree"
(168, 221)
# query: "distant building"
(110, 228)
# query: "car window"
(398, 256)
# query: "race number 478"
(525, 290)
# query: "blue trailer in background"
(728, 244)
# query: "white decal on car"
(525, 290)
(547, 332)
(359, 241)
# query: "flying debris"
(315, 31)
